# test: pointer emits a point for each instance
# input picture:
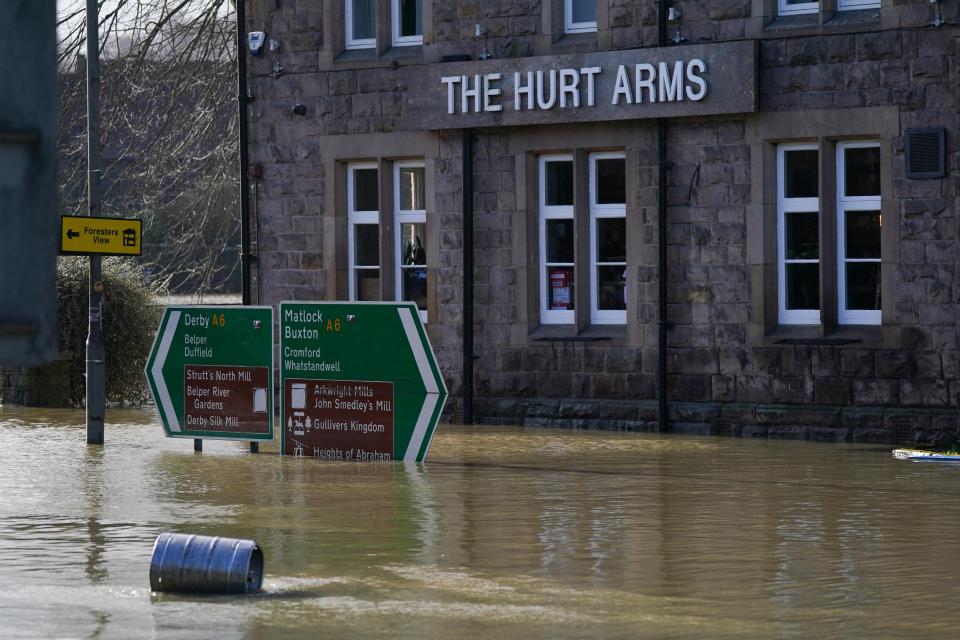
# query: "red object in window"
(560, 289)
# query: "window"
(858, 232)
(798, 233)
(604, 231)
(792, 7)
(360, 24)
(579, 16)
(556, 240)
(407, 20)
(406, 23)
(844, 5)
(608, 232)
(363, 231)
(801, 260)
(410, 221)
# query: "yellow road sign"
(83, 235)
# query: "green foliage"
(130, 317)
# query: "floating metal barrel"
(188, 563)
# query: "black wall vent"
(925, 153)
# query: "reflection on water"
(506, 532)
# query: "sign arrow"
(72, 234)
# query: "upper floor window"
(407, 21)
(792, 7)
(843, 5)
(361, 24)
(405, 28)
(579, 16)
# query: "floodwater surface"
(503, 533)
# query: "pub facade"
(717, 216)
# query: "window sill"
(810, 23)
(576, 42)
(611, 334)
(860, 336)
(369, 58)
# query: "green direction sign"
(211, 372)
(359, 381)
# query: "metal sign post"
(96, 379)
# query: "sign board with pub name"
(359, 381)
(211, 372)
(85, 235)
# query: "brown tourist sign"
(667, 82)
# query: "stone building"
(780, 174)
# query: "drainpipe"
(467, 172)
(662, 416)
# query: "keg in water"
(188, 563)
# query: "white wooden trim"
(791, 205)
(848, 5)
(354, 218)
(784, 9)
(552, 212)
(844, 204)
(351, 42)
(598, 211)
(401, 217)
(397, 39)
(569, 26)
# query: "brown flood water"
(503, 533)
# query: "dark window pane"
(610, 288)
(410, 19)
(802, 236)
(411, 189)
(368, 284)
(863, 234)
(611, 181)
(801, 174)
(863, 285)
(584, 10)
(611, 240)
(560, 288)
(559, 181)
(559, 240)
(366, 244)
(862, 172)
(363, 24)
(803, 286)
(365, 190)
(412, 243)
(415, 286)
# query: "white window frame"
(598, 211)
(397, 39)
(844, 204)
(852, 5)
(405, 216)
(785, 9)
(351, 42)
(354, 218)
(788, 205)
(569, 26)
(553, 212)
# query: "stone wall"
(722, 377)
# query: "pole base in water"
(185, 563)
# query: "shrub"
(130, 317)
